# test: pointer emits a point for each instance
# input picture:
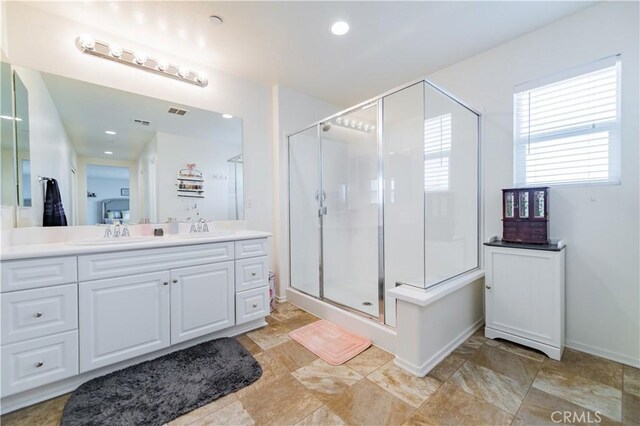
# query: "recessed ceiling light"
(227, 116)
(108, 152)
(110, 132)
(215, 20)
(340, 28)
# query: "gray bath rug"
(158, 391)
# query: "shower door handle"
(322, 211)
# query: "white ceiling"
(289, 43)
(88, 110)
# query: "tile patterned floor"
(482, 382)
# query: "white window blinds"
(437, 150)
(567, 131)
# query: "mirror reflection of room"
(115, 155)
(107, 194)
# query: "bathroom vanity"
(72, 312)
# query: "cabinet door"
(524, 294)
(121, 318)
(202, 300)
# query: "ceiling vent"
(177, 111)
(141, 122)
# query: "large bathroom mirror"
(117, 155)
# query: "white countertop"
(28, 251)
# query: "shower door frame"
(379, 99)
(380, 201)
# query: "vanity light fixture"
(110, 132)
(114, 52)
(354, 124)
(227, 116)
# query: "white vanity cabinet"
(68, 319)
(524, 295)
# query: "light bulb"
(201, 77)
(183, 72)
(115, 50)
(339, 120)
(162, 65)
(108, 152)
(139, 58)
(227, 116)
(87, 42)
(340, 28)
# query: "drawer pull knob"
(39, 364)
(37, 314)
(255, 305)
(175, 281)
(488, 286)
(253, 274)
(165, 283)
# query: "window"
(437, 150)
(567, 128)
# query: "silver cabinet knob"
(254, 305)
(37, 314)
(488, 286)
(175, 281)
(39, 364)
(165, 283)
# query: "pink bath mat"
(330, 342)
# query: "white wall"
(51, 152)
(147, 181)
(46, 42)
(292, 110)
(599, 223)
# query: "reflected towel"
(53, 209)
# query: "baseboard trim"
(602, 353)
(424, 369)
(42, 393)
(281, 299)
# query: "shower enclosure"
(385, 193)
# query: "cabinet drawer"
(36, 362)
(252, 304)
(251, 248)
(108, 265)
(251, 273)
(28, 314)
(25, 274)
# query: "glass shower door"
(350, 213)
(304, 221)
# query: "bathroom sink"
(205, 234)
(109, 241)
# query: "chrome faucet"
(107, 232)
(116, 229)
(200, 226)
